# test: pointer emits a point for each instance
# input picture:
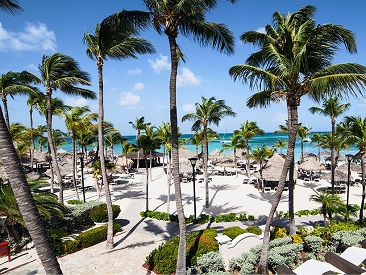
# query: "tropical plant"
(236, 142)
(327, 201)
(113, 136)
(295, 59)
(318, 139)
(281, 144)
(248, 130)
(119, 43)
(332, 108)
(260, 154)
(207, 112)
(303, 132)
(139, 125)
(357, 136)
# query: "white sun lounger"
(314, 267)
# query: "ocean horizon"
(268, 138)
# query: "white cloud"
(159, 64)
(129, 99)
(79, 102)
(138, 87)
(34, 37)
(189, 108)
(188, 78)
(280, 118)
(261, 29)
(32, 67)
(134, 72)
(362, 103)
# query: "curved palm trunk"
(302, 149)
(25, 201)
(169, 177)
(32, 138)
(325, 211)
(235, 162)
(147, 185)
(110, 242)
(181, 263)
(363, 168)
(205, 162)
(150, 165)
(248, 160)
(138, 152)
(52, 146)
(332, 155)
(293, 120)
(291, 186)
(6, 112)
(74, 165)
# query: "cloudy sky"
(135, 88)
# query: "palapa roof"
(273, 168)
(141, 155)
(339, 176)
(311, 165)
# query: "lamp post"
(81, 157)
(349, 159)
(193, 163)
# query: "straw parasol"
(124, 162)
(339, 176)
(273, 168)
(353, 166)
(186, 154)
(311, 165)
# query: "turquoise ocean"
(269, 139)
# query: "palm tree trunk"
(25, 201)
(263, 262)
(235, 162)
(363, 182)
(52, 146)
(74, 165)
(147, 184)
(169, 177)
(110, 242)
(181, 262)
(205, 164)
(291, 187)
(32, 138)
(248, 160)
(150, 164)
(6, 112)
(332, 155)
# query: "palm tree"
(328, 201)
(236, 142)
(281, 143)
(10, 6)
(76, 120)
(114, 43)
(260, 154)
(113, 136)
(248, 130)
(294, 60)
(303, 132)
(12, 84)
(59, 71)
(139, 125)
(318, 139)
(332, 108)
(357, 136)
(207, 112)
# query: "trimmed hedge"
(100, 213)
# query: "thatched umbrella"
(353, 166)
(186, 154)
(124, 162)
(311, 165)
(339, 176)
(273, 168)
(325, 153)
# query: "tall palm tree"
(207, 112)
(357, 136)
(236, 142)
(60, 72)
(119, 44)
(303, 132)
(332, 108)
(281, 144)
(76, 120)
(248, 130)
(12, 84)
(327, 201)
(10, 6)
(317, 138)
(112, 137)
(295, 59)
(139, 124)
(260, 154)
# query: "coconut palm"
(236, 142)
(76, 120)
(139, 124)
(260, 154)
(332, 108)
(303, 132)
(295, 59)
(281, 144)
(248, 130)
(115, 43)
(207, 112)
(317, 138)
(113, 136)
(327, 201)
(60, 72)
(10, 6)
(357, 136)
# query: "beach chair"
(346, 266)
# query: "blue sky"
(135, 88)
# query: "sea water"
(268, 138)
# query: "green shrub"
(71, 246)
(95, 235)
(242, 217)
(204, 218)
(75, 202)
(284, 255)
(199, 243)
(233, 231)
(313, 244)
(231, 217)
(280, 242)
(100, 213)
(253, 229)
(55, 236)
(210, 262)
(296, 238)
(278, 232)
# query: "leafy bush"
(296, 238)
(313, 244)
(233, 231)
(100, 213)
(278, 232)
(287, 255)
(95, 235)
(164, 259)
(231, 217)
(325, 232)
(75, 202)
(55, 236)
(343, 239)
(210, 262)
(280, 242)
(253, 229)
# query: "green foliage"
(231, 217)
(343, 239)
(75, 202)
(303, 232)
(253, 229)
(313, 244)
(164, 258)
(296, 238)
(100, 213)
(280, 242)
(55, 236)
(284, 255)
(95, 235)
(233, 231)
(325, 232)
(210, 262)
(278, 232)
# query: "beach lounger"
(316, 267)
(346, 266)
